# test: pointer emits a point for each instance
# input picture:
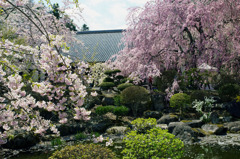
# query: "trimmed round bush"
(104, 109)
(180, 101)
(134, 94)
(121, 87)
(110, 72)
(156, 143)
(141, 125)
(228, 92)
(107, 85)
(108, 79)
(84, 151)
(121, 111)
(119, 77)
(199, 95)
(134, 97)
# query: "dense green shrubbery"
(180, 101)
(222, 79)
(133, 96)
(121, 87)
(156, 143)
(117, 110)
(199, 95)
(80, 136)
(141, 125)
(228, 92)
(104, 109)
(120, 111)
(84, 151)
(106, 85)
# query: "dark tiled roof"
(99, 46)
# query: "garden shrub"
(108, 79)
(156, 143)
(133, 96)
(117, 100)
(80, 136)
(121, 87)
(84, 151)
(120, 111)
(119, 77)
(180, 101)
(141, 125)
(104, 109)
(228, 92)
(106, 85)
(222, 79)
(111, 72)
(199, 95)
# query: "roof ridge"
(101, 31)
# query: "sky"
(103, 14)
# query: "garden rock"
(233, 108)
(100, 126)
(172, 125)
(118, 130)
(166, 119)
(199, 132)
(68, 129)
(185, 133)
(107, 101)
(162, 126)
(233, 127)
(158, 101)
(152, 114)
(210, 129)
(22, 139)
(91, 102)
(193, 123)
(214, 118)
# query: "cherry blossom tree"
(62, 92)
(175, 34)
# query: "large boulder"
(216, 129)
(193, 123)
(117, 130)
(152, 114)
(233, 127)
(21, 139)
(172, 125)
(233, 108)
(68, 129)
(166, 119)
(185, 133)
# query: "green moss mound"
(84, 151)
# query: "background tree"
(84, 27)
(167, 34)
(60, 14)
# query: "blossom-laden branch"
(62, 92)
